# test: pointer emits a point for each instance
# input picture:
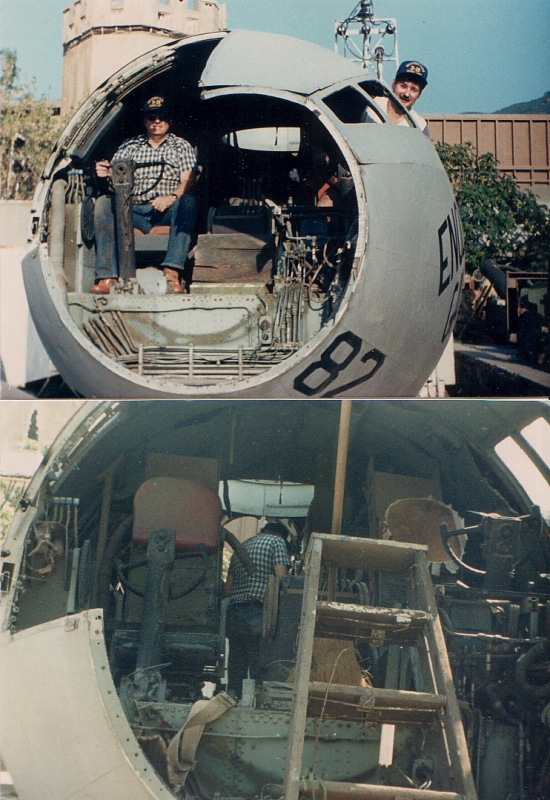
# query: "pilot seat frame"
(169, 627)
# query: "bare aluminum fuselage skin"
(400, 302)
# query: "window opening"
(526, 473)
(350, 106)
(537, 434)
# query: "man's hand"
(163, 202)
(103, 169)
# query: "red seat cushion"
(156, 230)
(190, 508)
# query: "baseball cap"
(413, 70)
(157, 105)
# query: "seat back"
(190, 508)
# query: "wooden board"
(369, 554)
(233, 257)
(389, 487)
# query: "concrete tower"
(100, 36)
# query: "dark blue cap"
(157, 105)
(413, 70)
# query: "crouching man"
(167, 168)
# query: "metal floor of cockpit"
(210, 364)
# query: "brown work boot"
(103, 286)
(173, 278)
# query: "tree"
(32, 433)
(499, 219)
(28, 131)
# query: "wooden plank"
(233, 257)
(372, 615)
(372, 697)
(337, 790)
(232, 273)
(378, 625)
(295, 744)
(234, 241)
(321, 708)
(461, 771)
(370, 554)
(379, 697)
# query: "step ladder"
(415, 628)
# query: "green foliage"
(499, 219)
(539, 106)
(10, 493)
(28, 131)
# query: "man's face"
(156, 124)
(406, 91)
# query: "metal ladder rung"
(391, 706)
(336, 790)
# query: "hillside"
(540, 106)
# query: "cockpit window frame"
(539, 470)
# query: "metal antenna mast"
(365, 39)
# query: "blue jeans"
(181, 216)
(243, 628)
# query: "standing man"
(407, 86)
(269, 553)
(166, 168)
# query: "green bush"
(499, 219)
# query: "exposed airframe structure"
(78, 719)
(286, 298)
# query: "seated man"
(410, 80)
(160, 196)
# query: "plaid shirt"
(266, 551)
(159, 179)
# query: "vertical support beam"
(339, 483)
(295, 745)
(161, 551)
(107, 476)
(123, 184)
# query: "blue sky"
(482, 55)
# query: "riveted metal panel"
(62, 717)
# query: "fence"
(520, 142)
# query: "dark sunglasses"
(153, 117)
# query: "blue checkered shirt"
(266, 551)
(158, 179)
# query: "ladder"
(414, 628)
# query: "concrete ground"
(496, 371)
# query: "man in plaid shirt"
(166, 168)
(269, 553)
